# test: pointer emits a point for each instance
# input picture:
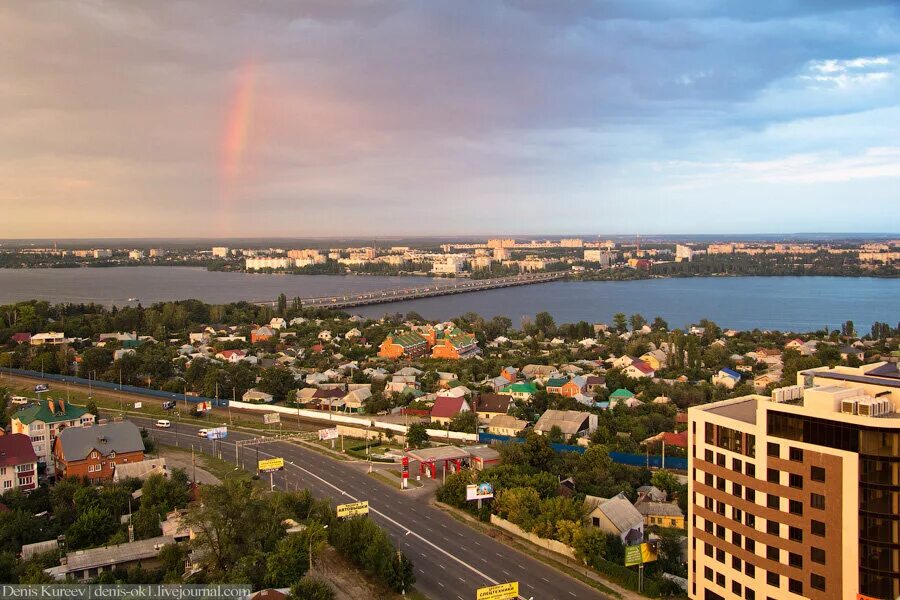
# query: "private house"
(454, 345)
(329, 398)
(848, 351)
(660, 514)
(325, 335)
(141, 469)
(42, 422)
(18, 463)
(447, 407)
(506, 425)
(638, 369)
(761, 382)
(404, 345)
(399, 383)
(445, 379)
(84, 565)
(570, 422)
(261, 334)
(355, 399)
(522, 390)
(278, 323)
(657, 359)
(555, 385)
(489, 406)
(539, 372)
(496, 383)
(621, 395)
(50, 338)
(576, 386)
(617, 516)
(255, 396)
(726, 378)
(353, 334)
(510, 374)
(21, 338)
(94, 451)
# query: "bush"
(310, 588)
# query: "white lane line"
(572, 594)
(545, 579)
(507, 573)
(476, 543)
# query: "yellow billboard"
(353, 509)
(271, 464)
(503, 591)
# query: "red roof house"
(447, 407)
(18, 462)
(21, 338)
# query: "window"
(773, 553)
(720, 484)
(735, 563)
(773, 501)
(720, 459)
(795, 560)
(710, 431)
(817, 582)
(817, 555)
(112, 454)
(720, 579)
(708, 503)
(708, 550)
(750, 494)
(720, 532)
(795, 534)
(773, 579)
(795, 481)
(750, 569)
(817, 501)
(708, 479)
(817, 473)
(795, 586)
(736, 538)
(28, 480)
(737, 465)
(795, 454)
(750, 520)
(720, 555)
(773, 449)
(750, 545)
(749, 594)
(737, 489)
(720, 508)
(773, 527)
(7, 484)
(818, 528)
(736, 588)
(737, 514)
(708, 573)
(707, 526)
(751, 470)
(795, 507)
(773, 476)
(708, 456)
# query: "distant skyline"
(370, 118)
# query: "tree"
(637, 321)
(417, 435)
(659, 324)
(665, 481)
(289, 562)
(310, 588)
(278, 381)
(544, 323)
(847, 329)
(282, 304)
(555, 435)
(91, 528)
(146, 523)
(590, 545)
(620, 323)
(466, 421)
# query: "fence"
(108, 385)
(632, 460)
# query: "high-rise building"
(683, 253)
(220, 252)
(797, 495)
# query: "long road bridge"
(427, 291)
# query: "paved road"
(451, 560)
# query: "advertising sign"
(328, 434)
(640, 554)
(271, 464)
(139, 405)
(404, 470)
(503, 591)
(270, 418)
(353, 509)
(41, 387)
(217, 433)
(168, 405)
(480, 491)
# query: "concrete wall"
(552, 545)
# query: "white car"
(202, 433)
(163, 424)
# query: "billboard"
(640, 554)
(353, 509)
(503, 591)
(270, 418)
(139, 405)
(328, 434)
(217, 433)
(480, 491)
(271, 464)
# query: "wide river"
(786, 303)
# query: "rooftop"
(744, 410)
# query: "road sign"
(269, 465)
(217, 433)
(481, 491)
(503, 591)
(328, 434)
(270, 418)
(640, 554)
(353, 509)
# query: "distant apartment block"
(268, 262)
(797, 495)
(220, 252)
(603, 257)
(683, 253)
(720, 249)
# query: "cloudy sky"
(323, 117)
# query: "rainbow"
(237, 126)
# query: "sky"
(384, 117)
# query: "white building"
(447, 265)
(102, 253)
(268, 262)
(603, 257)
(42, 421)
(220, 252)
(683, 253)
(136, 255)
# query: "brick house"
(18, 463)
(93, 452)
(404, 345)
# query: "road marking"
(507, 573)
(572, 594)
(476, 543)
(545, 579)
(484, 560)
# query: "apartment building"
(42, 421)
(797, 495)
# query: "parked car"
(163, 424)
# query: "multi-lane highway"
(451, 560)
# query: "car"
(202, 433)
(163, 424)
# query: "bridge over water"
(458, 286)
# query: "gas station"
(451, 459)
